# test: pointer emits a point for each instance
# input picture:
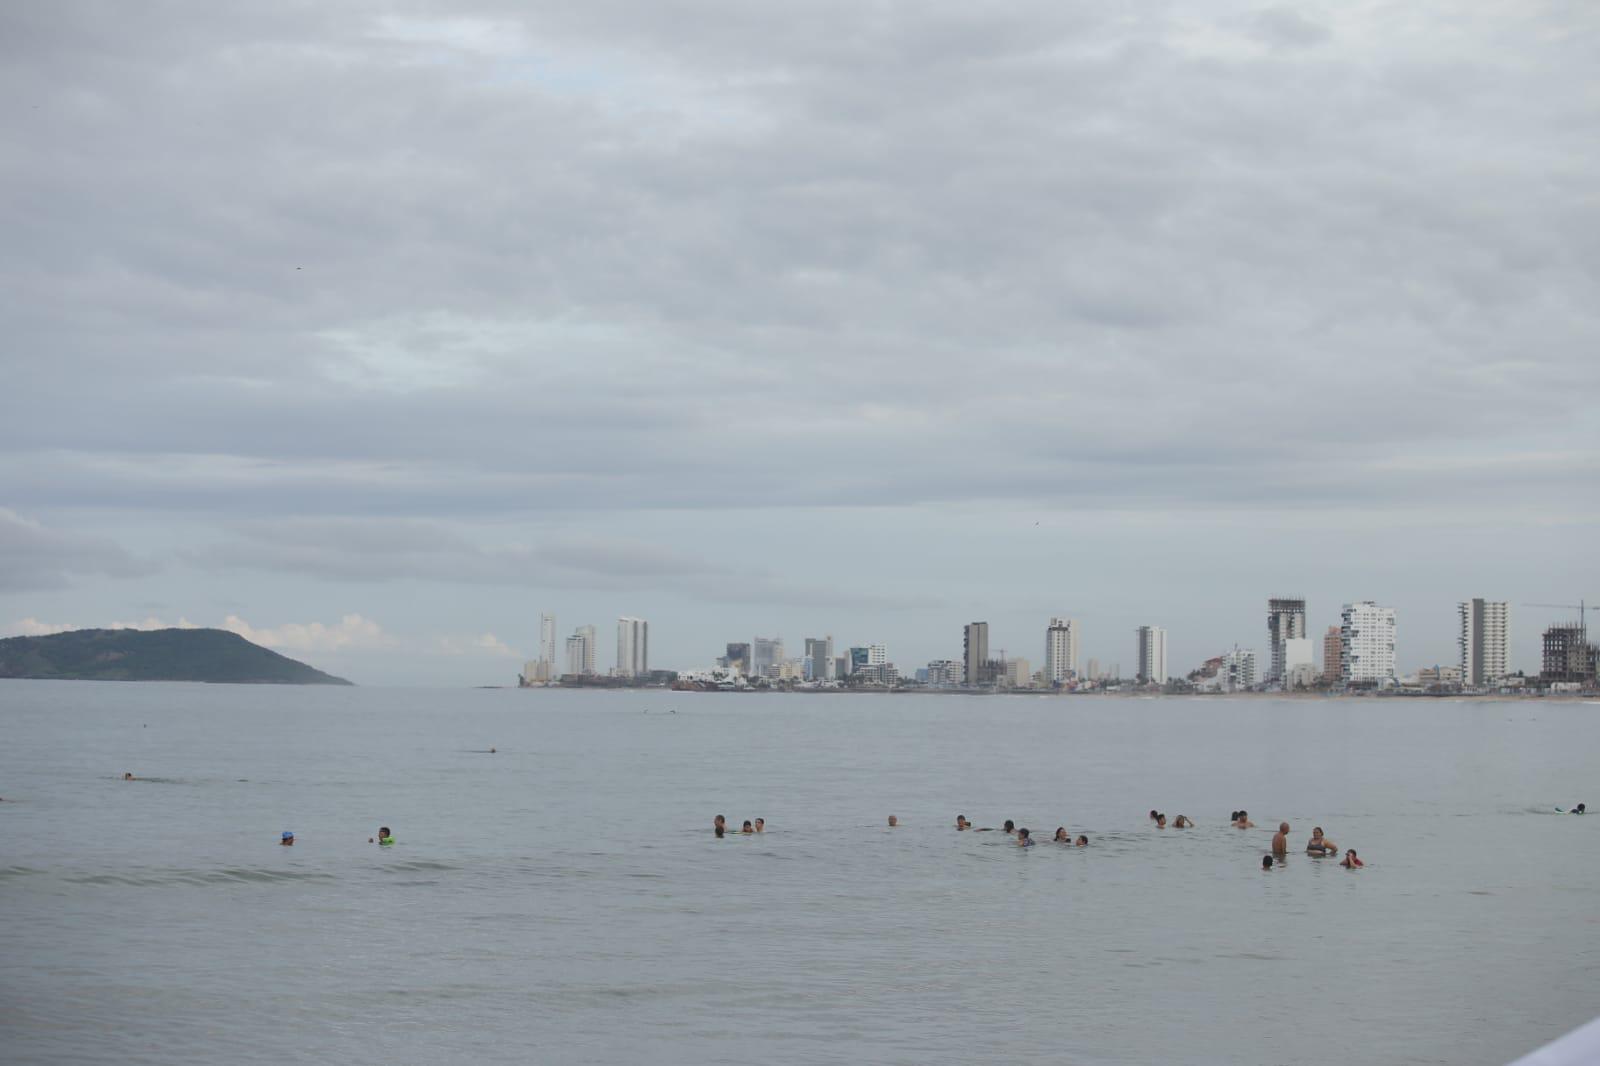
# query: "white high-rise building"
(1153, 654)
(1366, 644)
(580, 652)
(877, 654)
(1238, 671)
(1060, 651)
(765, 655)
(547, 639)
(1485, 641)
(633, 647)
(1286, 620)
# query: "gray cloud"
(587, 267)
(35, 556)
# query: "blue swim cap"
(288, 835)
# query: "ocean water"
(563, 900)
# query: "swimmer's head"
(1234, 817)
(288, 837)
(1579, 808)
(1022, 834)
(893, 820)
(1154, 815)
(127, 776)
(1083, 841)
(1161, 819)
(1266, 862)
(761, 823)
(1283, 827)
(719, 821)
(1317, 832)
(383, 831)
(1010, 825)
(1061, 833)
(747, 827)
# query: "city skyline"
(678, 322)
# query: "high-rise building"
(633, 647)
(1152, 655)
(1016, 673)
(1485, 641)
(765, 655)
(547, 639)
(1060, 651)
(1094, 669)
(1568, 655)
(580, 652)
(1238, 670)
(819, 653)
(858, 658)
(1366, 644)
(737, 658)
(1286, 620)
(945, 672)
(975, 654)
(877, 654)
(1332, 655)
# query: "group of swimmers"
(384, 838)
(1023, 835)
(719, 826)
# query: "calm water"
(563, 900)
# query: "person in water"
(1154, 815)
(1233, 817)
(1083, 841)
(1161, 821)
(129, 777)
(719, 823)
(1280, 843)
(1266, 862)
(761, 825)
(1243, 821)
(747, 827)
(385, 838)
(719, 831)
(1183, 822)
(288, 839)
(1576, 810)
(1351, 862)
(1024, 838)
(893, 821)
(962, 823)
(1062, 836)
(1010, 827)
(1321, 845)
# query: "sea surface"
(563, 900)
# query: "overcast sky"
(372, 330)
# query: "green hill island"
(213, 655)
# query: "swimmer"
(747, 828)
(288, 839)
(1280, 843)
(1351, 862)
(1024, 839)
(719, 831)
(1062, 836)
(1161, 821)
(1266, 862)
(761, 825)
(719, 823)
(1320, 845)
(1183, 822)
(1010, 827)
(129, 777)
(962, 823)
(1234, 817)
(1083, 842)
(385, 838)
(491, 751)
(1577, 810)
(893, 821)
(1243, 821)
(1154, 816)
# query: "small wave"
(414, 865)
(8, 872)
(228, 875)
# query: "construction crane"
(1581, 607)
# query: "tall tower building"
(975, 653)
(1485, 641)
(580, 652)
(633, 647)
(1568, 655)
(1153, 654)
(765, 655)
(1366, 644)
(820, 651)
(1060, 651)
(1332, 655)
(547, 639)
(1286, 620)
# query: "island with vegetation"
(213, 655)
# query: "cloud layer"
(496, 293)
